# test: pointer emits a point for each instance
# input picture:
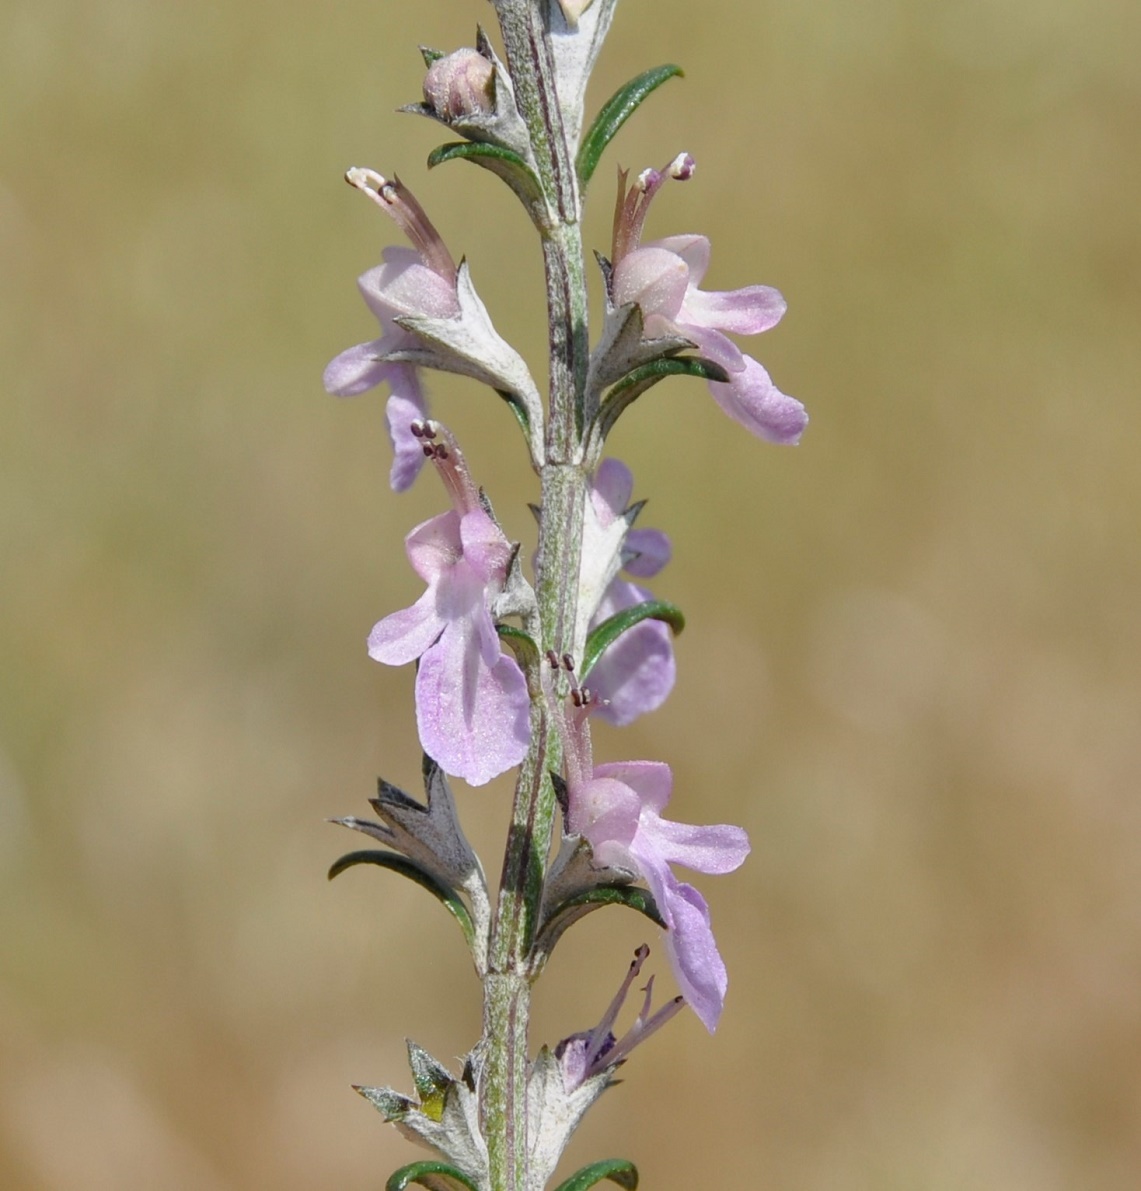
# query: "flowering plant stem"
(491, 695)
(564, 485)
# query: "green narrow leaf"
(506, 163)
(473, 151)
(634, 897)
(639, 379)
(615, 112)
(436, 1176)
(410, 869)
(525, 650)
(614, 626)
(642, 377)
(617, 1170)
(519, 410)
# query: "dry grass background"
(912, 666)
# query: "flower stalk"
(493, 694)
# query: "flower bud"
(460, 85)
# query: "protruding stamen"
(648, 180)
(598, 1050)
(568, 663)
(602, 1031)
(634, 204)
(422, 429)
(451, 466)
(398, 202)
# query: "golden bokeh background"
(913, 662)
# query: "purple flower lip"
(616, 808)
(410, 281)
(637, 672)
(663, 277)
(471, 697)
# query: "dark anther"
(568, 662)
(553, 659)
(418, 429)
(441, 451)
(428, 449)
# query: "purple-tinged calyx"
(470, 90)
(616, 808)
(663, 278)
(594, 1052)
(471, 697)
(460, 85)
(637, 672)
(430, 316)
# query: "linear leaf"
(615, 112)
(639, 379)
(505, 162)
(436, 1176)
(633, 897)
(525, 650)
(617, 1170)
(614, 626)
(408, 868)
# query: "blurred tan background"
(913, 664)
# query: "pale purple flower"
(664, 278)
(402, 285)
(471, 697)
(419, 281)
(430, 316)
(637, 672)
(616, 808)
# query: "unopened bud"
(459, 85)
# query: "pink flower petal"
(611, 490)
(747, 311)
(652, 277)
(714, 848)
(405, 406)
(637, 672)
(693, 249)
(485, 548)
(713, 345)
(357, 369)
(651, 549)
(403, 284)
(403, 636)
(434, 547)
(652, 781)
(752, 399)
(473, 719)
